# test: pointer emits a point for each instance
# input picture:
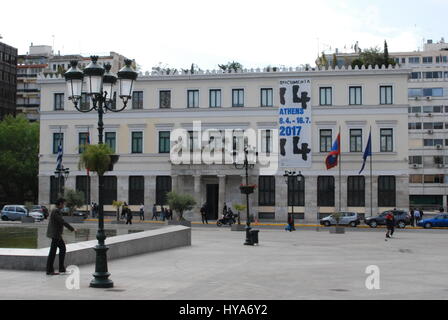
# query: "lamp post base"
(101, 275)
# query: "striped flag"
(332, 159)
(59, 157)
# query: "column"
(94, 192)
(44, 190)
(311, 208)
(70, 183)
(402, 192)
(175, 183)
(222, 193)
(123, 188)
(281, 199)
(368, 197)
(150, 194)
(343, 193)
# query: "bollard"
(254, 236)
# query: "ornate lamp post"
(100, 83)
(246, 189)
(289, 176)
(61, 173)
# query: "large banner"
(294, 123)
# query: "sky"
(256, 33)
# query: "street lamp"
(61, 173)
(99, 84)
(246, 190)
(289, 176)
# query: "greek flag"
(59, 157)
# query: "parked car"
(438, 221)
(16, 212)
(402, 219)
(347, 219)
(41, 209)
(80, 214)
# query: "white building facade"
(352, 102)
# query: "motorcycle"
(229, 219)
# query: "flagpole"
(371, 174)
(340, 165)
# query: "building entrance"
(212, 201)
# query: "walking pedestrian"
(204, 214)
(55, 229)
(421, 214)
(154, 212)
(291, 223)
(142, 212)
(390, 224)
(224, 210)
(123, 211)
(171, 214)
(128, 216)
(416, 216)
(163, 214)
(412, 217)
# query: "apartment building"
(8, 70)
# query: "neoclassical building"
(294, 117)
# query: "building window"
(108, 192)
(267, 98)
(416, 160)
(355, 140)
(193, 98)
(427, 59)
(215, 98)
(164, 142)
(58, 138)
(326, 96)
(356, 191)
(386, 191)
(83, 138)
(136, 190)
(325, 140)
(110, 140)
(296, 192)
(137, 100)
(163, 186)
(58, 101)
(325, 191)
(416, 75)
(355, 97)
(137, 142)
(266, 141)
(83, 185)
(165, 99)
(386, 95)
(386, 140)
(84, 102)
(441, 59)
(237, 97)
(415, 60)
(266, 191)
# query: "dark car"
(80, 214)
(402, 219)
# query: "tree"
(19, 160)
(180, 203)
(322, 60)
(334, 62)
(235, 66)
(386, 52)
(239, 207)
(73, 199)
(374, 56)
(117, 205)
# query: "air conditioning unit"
(440, 166)
(417, 115)
(430, 131)
(428, 98)
(429, 114)
(416, 98)
(439, 147)
(415, 166)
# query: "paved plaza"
(306, 264)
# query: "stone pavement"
(301, 265)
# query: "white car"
(16, 212)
